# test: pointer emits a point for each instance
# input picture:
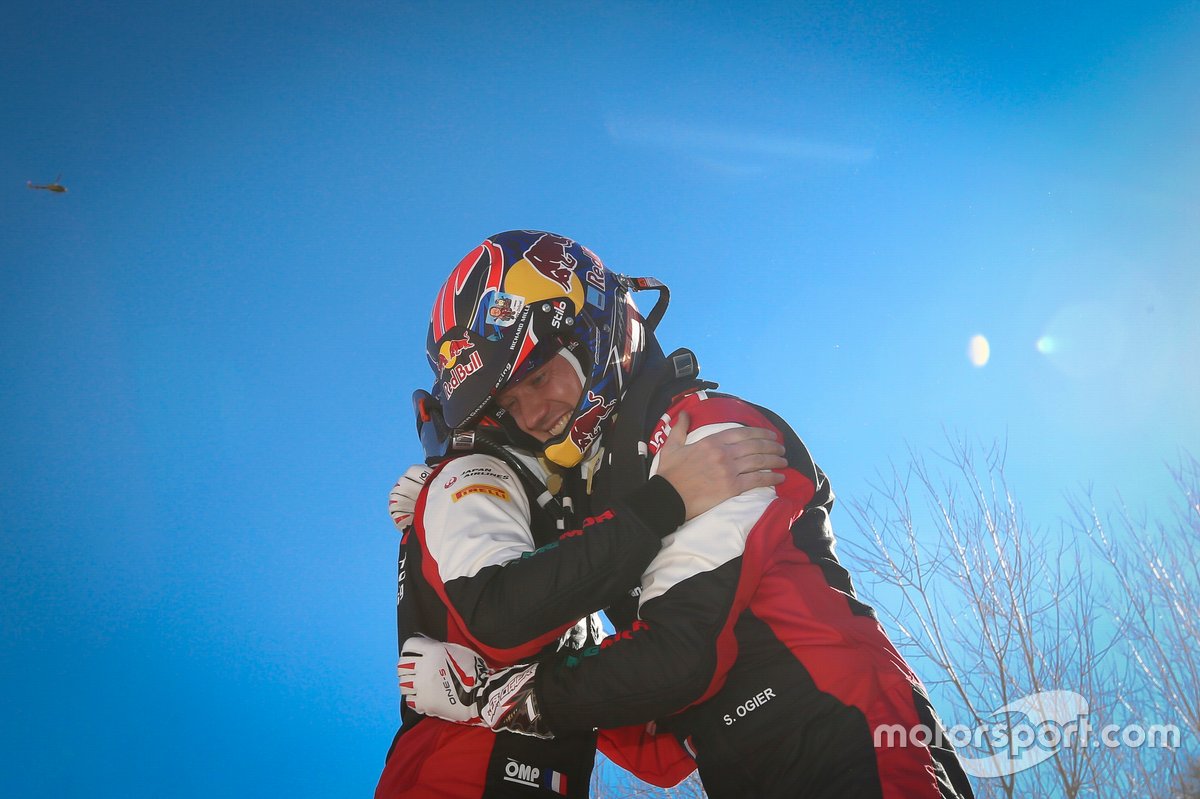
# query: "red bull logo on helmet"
(450, 350)
(586, 428)
(550, 257)
(595, 272)
(461, 372)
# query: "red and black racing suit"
(751, 646)
(485, 567)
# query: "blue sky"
(209, 342)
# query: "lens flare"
(978, 350)
(1091, 339)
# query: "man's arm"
(472, 522)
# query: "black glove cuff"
(658, 505)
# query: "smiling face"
(542, 403)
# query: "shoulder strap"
(560, 513)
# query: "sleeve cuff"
(658, 505)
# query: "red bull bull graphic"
(449, 351)
(586, 428)
(584, 431)
(550, 257)
(461, 372)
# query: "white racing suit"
(486, 566)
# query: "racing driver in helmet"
(748, 642)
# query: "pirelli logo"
(479, 488)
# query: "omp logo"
(479, 488)
(522, 773)
(534, 777)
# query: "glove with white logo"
(452, 682)
(402, 500)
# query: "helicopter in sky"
(55, 186)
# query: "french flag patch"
(555, 781)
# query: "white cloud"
(699, 141)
